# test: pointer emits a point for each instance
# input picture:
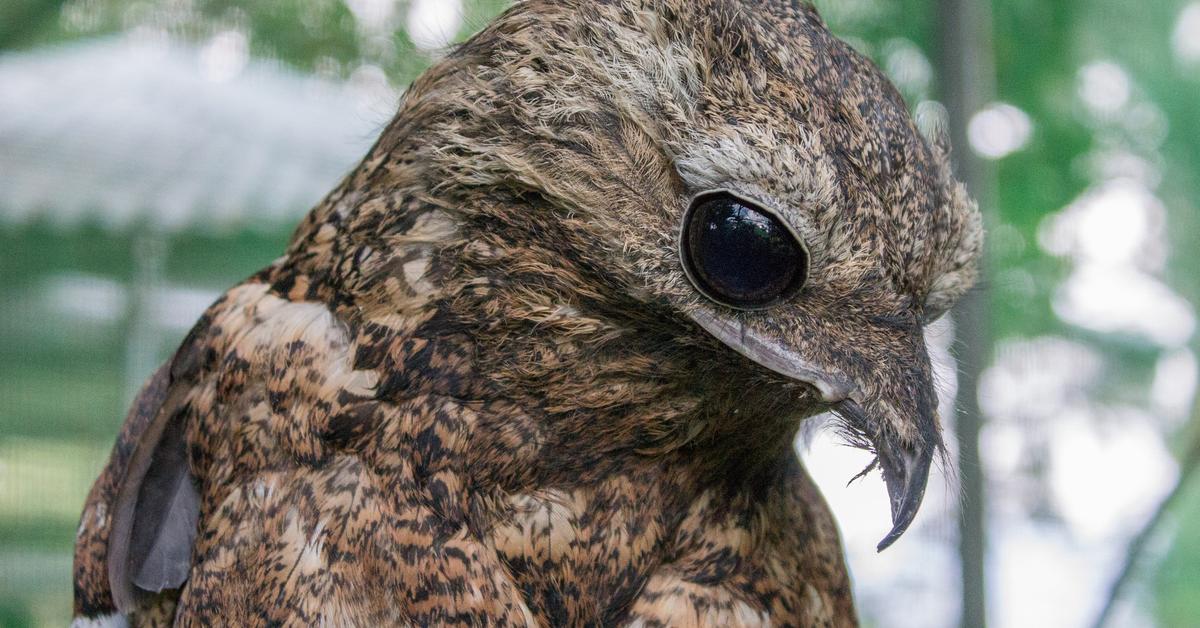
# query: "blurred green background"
(154, 152)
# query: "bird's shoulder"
(262, 441)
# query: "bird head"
(672, 212)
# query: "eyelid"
(755, 202)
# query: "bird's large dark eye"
(738, 254)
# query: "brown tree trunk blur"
(966, 77)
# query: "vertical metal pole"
(141, 331)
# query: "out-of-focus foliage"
(329, 37)
(1093, 133)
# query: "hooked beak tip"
(905, 470)
(906, 473)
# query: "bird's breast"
(582, 551)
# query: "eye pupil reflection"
(740, 255)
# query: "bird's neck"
(562, 397)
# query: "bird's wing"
(139, 520)
(259, 480)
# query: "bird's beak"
(905, 470)
(898, 416)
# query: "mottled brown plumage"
(479, 389)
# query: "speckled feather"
(471, 392)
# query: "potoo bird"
(541, 358)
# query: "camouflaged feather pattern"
(467, 396)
